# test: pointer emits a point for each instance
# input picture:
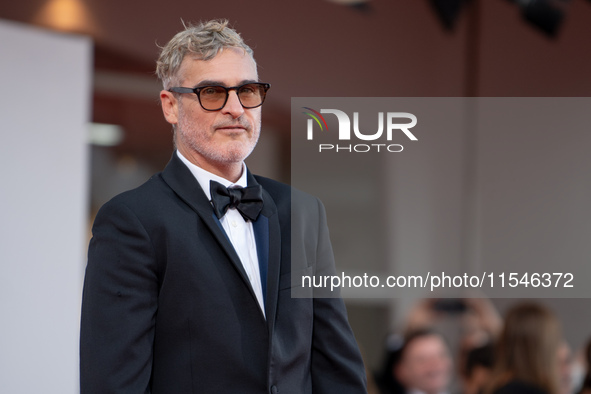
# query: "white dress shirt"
(238, 230)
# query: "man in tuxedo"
(189, 277)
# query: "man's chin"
(236, 152)
(230, 157)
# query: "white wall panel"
(44, 108)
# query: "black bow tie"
(247, 200)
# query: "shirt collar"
(203, 176)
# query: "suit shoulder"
(272, 186)
(284, 193)
(276, 188)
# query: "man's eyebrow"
(209, 82)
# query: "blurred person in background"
(466, 323)
(385, 379)
(480, 320)
(424, 365)
(477, 369)
(565, 368)
(527, 353)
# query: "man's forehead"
(230, 65)
(425, 343)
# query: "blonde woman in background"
(526, 359)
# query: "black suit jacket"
(167, 307)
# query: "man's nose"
(233, 105)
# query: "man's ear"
(169, 106)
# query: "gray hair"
(203, 42)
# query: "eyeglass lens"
(214, 97)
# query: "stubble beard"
(199, 141)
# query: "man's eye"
(248, 89)
(209, 91)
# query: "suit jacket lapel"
(186, 187)
(269, 218)
(261, 236)
(273, 267)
